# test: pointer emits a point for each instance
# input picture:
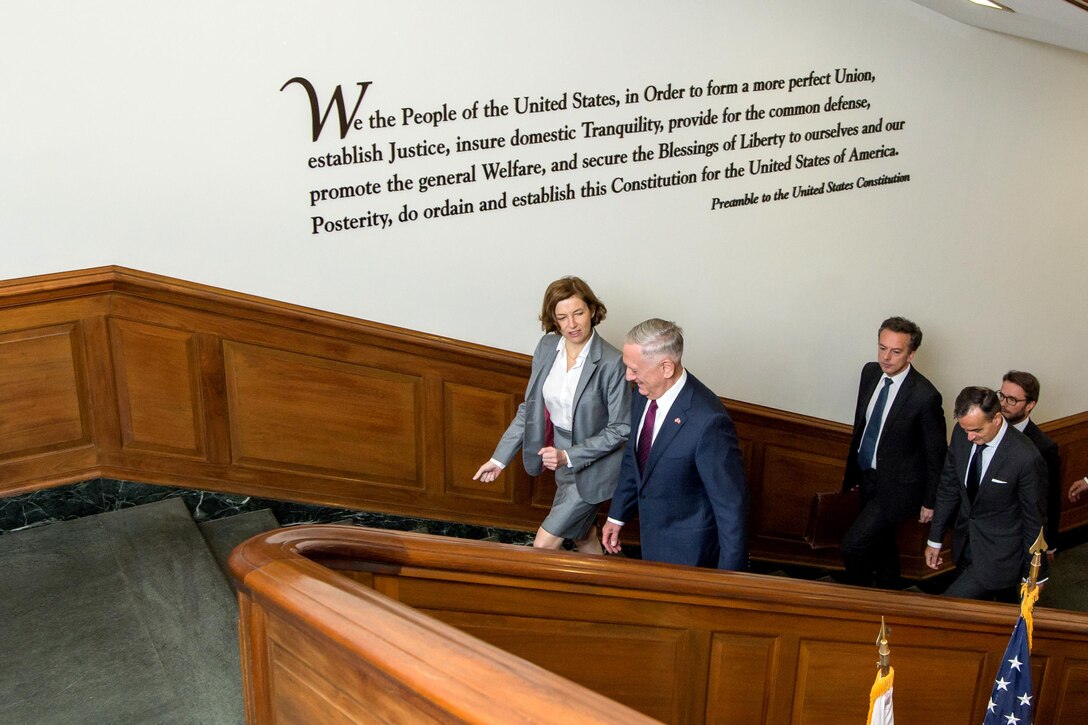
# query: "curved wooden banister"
(512, 595)
(414, 668)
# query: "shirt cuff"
(934, 544)
(500, 464)
(570, 463)
(615, 521)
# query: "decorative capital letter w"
(336, 100)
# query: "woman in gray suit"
(575, 419)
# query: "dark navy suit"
(692, 498)
(1052, 500)
(992, 535)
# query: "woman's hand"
(553, 458)
(488, 472)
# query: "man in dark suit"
(1019, 393)
(682, 470)
(991, 484)
(895, 454)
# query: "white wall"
(156, 136)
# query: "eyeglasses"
(1009, 399)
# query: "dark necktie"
(872, 428)
(974, 472)
(646, 436)
(549, 429)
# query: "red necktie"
(646, 436)
(549, 430)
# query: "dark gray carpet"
(1067, 587)
(122, 617)
(222, 535)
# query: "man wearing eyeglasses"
(895, 455)
(1018, 394)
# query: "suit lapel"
(865, 397)
(540, 373)
(902, 398)
(593, 357)
(669, 428)
(997, 460)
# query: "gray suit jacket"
(1003, 522)
(602, 419)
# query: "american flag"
(1010, 701)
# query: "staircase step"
(118, 617)
(222, 535)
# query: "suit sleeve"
(851, 477)
(935, 440)
(947, 498)
(1053, 497)
(512, 439)
(1030, 491)
(615, 432)
(625, 498)
(721, 469)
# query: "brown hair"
(560, 290)
(1027, 381)
(904, 326)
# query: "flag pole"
(880, 695)
(882, 649)
(1029, 591)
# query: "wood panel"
(118, 373)
(43, 401)
(687, 645)
(320, 648)
(472, 415)
(301, 413)
(159, 400)
(741, 658)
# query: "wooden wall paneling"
(595, 655)
(360, 694)
(735, 659)
(44, 407)
(736, 647)
(1072, 702)
(1069, 434)
(472, 415)
(791, 478)
(301, 413)
(159, 398)
(213, 385)
(47, 420)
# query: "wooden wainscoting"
(124, 374)
(678, 644)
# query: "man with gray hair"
(682, 471)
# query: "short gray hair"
(658, 338)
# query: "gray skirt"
(571, 517)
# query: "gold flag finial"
(882, 648)
(1037, 550)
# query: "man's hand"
(925, 515)
(933, 557)
(610, 538)
(1078, 487)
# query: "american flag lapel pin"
(676, 420)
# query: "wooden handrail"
(514, 594)
(415, 668)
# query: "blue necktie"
(872, 428)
